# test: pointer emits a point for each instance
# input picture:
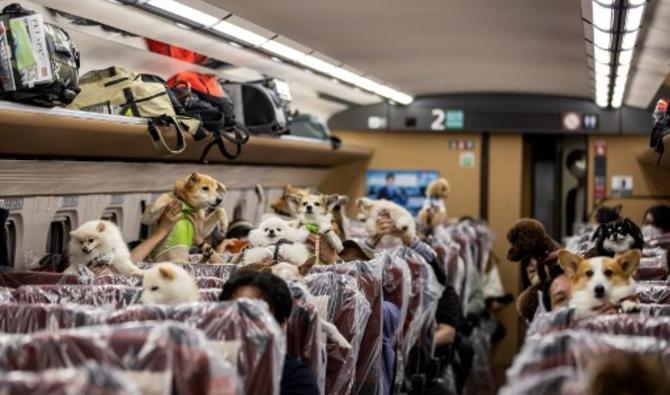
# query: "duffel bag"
(123, 92)
(309, 126)
(39, 63)
(201, 96)
(264, 106)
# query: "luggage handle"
(157, 140)
(239, 138)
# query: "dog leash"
(280, 242)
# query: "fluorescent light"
(623, 69)
(620, 81)
(346, 75)
(601, 55)
(601, 101)
(282, 50)
(602, 69)
(634, 18)
(637, 2)
(602, 16)
(628, 40)
(625, 57)
(602, 39)
(239, 33)
(184, 11)
(617, 101)
(316, 64)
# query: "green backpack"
(123, 92)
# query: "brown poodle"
(529, 240)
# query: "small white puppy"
(98, 245)
(167, 283)
(275, 239)
(370, 210)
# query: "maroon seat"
(168, 356)
(96, 295)
(349, 311)
(112, 279)
(304, 340)
(653, 292)
(89, 378)
(17, 279)
(28, 318)
(222, 271)
(369, 281)
(247, 326)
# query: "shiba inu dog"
(315, 213)
(167, 283)
(599, 280)
(369, 211)
(197, 193)
(98, 245)
(617, 237)
(275, 240)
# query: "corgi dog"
(98, 245)
(275, 240)
(369, 211)
(197, 193)
(617, 237)
(599, 280)
(295, 274)
(167, 283)
(314, 213)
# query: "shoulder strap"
(157, 140)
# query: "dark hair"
(661, 214)
(574, 156)
(273, 289)
(390, 175)
(239, 230)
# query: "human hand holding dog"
(170, 216)
(326, 252)
(386, 226)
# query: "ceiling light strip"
(616, 25)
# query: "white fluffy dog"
(98, 245)
(275, 239)
(167, 283)
(370, 210)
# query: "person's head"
(659, 217)
(390, 178)
(260, 285)
(556, 289)
(576, 163)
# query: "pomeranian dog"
(600, 280)
(197, 193)
(275, 240)
(295, 274)
(434, 210)
(98, 245)
(369, 211)
(314, 213)
(616, 237)
(167, 283)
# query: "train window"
(59, 234)
(144, 229)
(10, 241)
(113, 216)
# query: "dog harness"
(183, 231)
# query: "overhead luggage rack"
(58, 133)
(650, 157)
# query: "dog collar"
(280, 242)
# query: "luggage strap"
(237, 135)
(157, 140)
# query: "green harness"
(183, 231)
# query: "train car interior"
(371, 197)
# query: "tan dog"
(600, 280)
(281, 205)
(315, 213)
(434, 210)
(197, 193)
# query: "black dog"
(616, 237)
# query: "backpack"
(123, 92)
(263, 106)
(39, 63)
(201, 96)
(309, 126)
(661, 127)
